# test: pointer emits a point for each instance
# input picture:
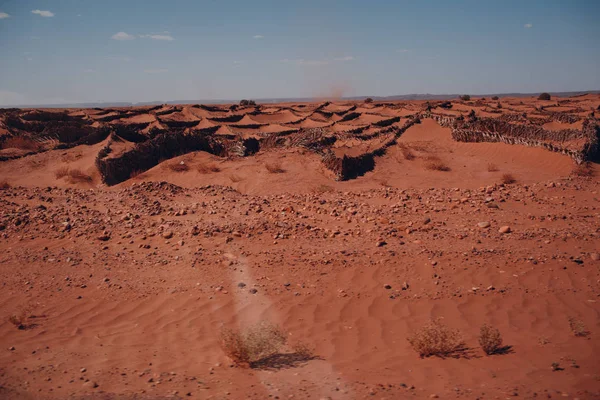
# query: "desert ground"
(132, 239)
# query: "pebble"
(484, 224)
(167, 234)
(504, 229)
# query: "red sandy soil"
(127, 288)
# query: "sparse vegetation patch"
(436, 339)
(507, 179)
(490, 340)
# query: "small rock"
(405, 286)
(241, 285)
(167, 234)
(253, 291)
(504, 229)
(380, 243)
(388, 287)
(483, 224)
(595, 256)
(426, 221)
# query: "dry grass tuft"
(584, 170)
(253, 344)
(4, 184)
(435, 164)
(303, 351)
(436, 339)
(20, 318)
(23, 143)
(490, 340)
(507, 179)
(407, 153)
(274, 168)
(72, 175)
(76, 175)
(61, 172)
(578, 327)
(179, 167)
(208, 168)
(492, 167)
(323, 189)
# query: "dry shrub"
(208, 168)
(303, 351)
(179, 167)
(323, 189)
(23, 143)
(20, 318)
(76, 175)
(436, 339)
(61, 172)
(578, 327)
(4, 184)
(507, 179)
(435, 164)
(235, 178)
(255, 343)
(407, 153)
(492, 167)
(490, 339)
(384, 182)
(274, 168)
(72, 175)
(584, 170)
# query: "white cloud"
(43, 13)
(347, 58)
(258, 37)
(301, 61)
(4, 15)
(122, 36)
(156, 71)
(158, 37)
(528, 26)
(118, 58)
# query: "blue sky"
(56, 51)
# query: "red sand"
(119, 309)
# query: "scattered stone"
(595, 256)
(167, 234)
(483, 224)
(388, 287)
(91, 384)
(504, 229)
